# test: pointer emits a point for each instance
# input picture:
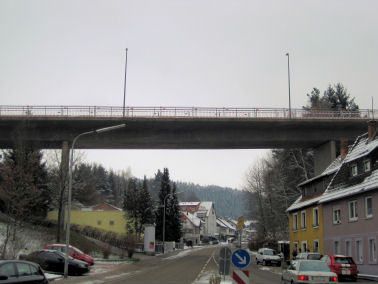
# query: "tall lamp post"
(288, 75)
(124, 88)
(165, 198)
(101, 130)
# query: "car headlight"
(82, 265)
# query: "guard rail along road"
(183, 112)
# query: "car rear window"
(314, 266)
(314, 256)
(268, 252)
(344, 260)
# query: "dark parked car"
(19, 271)
(52, 260)
(74, 252)
(342, 265)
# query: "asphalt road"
(181, 267)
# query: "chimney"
(343, 148)
(372, 129)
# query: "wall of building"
(310, 233)
(363, 229)
(113, 221)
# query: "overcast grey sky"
(185, 53)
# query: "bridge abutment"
(324, 155)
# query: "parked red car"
(74, 252)
(342, 265)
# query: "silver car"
(308, 271)
(268, 256)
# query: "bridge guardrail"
(182, 112)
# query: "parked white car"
(268, 256)
(308, 271)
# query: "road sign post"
(224, 262)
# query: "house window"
(353, 170)
(336, 247)
(348, 251)
(359, 255)
(366, 165)
(111, 223)
(295, 222)
(352, 205)
(372, 250)
(316, 246)
(336, 216)
(304, 246)
(99, 222)
(303, 220)
(315, 217)
(369, 207)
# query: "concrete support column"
(325, 154)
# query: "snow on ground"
(206, 277)
(184, 253)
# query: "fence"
(182, 112)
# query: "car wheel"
(257, 262)
(264, 262)
(278, 264)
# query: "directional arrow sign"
(240, 258)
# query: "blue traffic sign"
(241, 258)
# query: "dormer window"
(366, 164)
(353, 170)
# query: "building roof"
(223, 223)
(369, 183)
(105, 207)
(189, 203)
(361, 148)
(192, 218)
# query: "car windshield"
(269, 252)
(79, 251)
(344, 260)
(314, 266)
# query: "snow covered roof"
(105, 207)
(332, 168)
(192, 218)
(224, 223)
(206, 206)
(362, 148)
(369, 183)
(299, 203)
(189, 203)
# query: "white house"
(225, 229)
(204, 211)
(191, 227)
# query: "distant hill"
(229, 203)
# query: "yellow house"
(103, 216)
(306, 228)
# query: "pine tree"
(131, 206)
(145, 206)
(173, 218)
(165, 190)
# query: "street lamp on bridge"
(288, 75)
(97, 131)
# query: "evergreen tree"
(165, 190)
(145, 208)
(173, 217)
(131, 206)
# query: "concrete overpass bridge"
(183, 128)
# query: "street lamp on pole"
(101, 130)
(165, 198)
(288, 74)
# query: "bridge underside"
(184, 133)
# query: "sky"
(209, 53)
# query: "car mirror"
(3, 277)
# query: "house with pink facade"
(350, 204)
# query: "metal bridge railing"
(182, 112)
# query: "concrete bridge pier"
(324, 155)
